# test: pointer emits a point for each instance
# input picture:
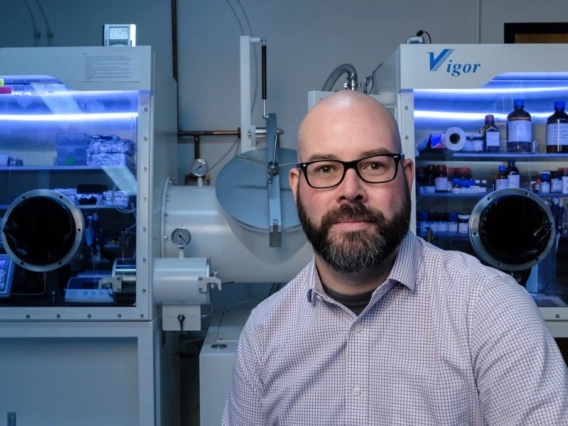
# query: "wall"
(306, 41)
(494, 14)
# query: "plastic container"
(544, 186)
(564, 174)
(555, 182)
(463, 223)
(519, 128)
(477, 143)
(453, 222)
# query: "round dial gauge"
(199, 167)
(181, 236)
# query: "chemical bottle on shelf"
(430, 176)
(501, 181)
(453, 222)
(557, 129)
(513, 175)
(441, 180)
(490, 134)
(477, 142)
(519, 128)
(544, 187)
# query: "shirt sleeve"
(520, 374)
(243, 406)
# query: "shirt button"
(357, 328)
(356, 391)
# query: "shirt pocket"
(431, 405)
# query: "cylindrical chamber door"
(42, 230)
(511, 229)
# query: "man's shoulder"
(453, 268)
(286, 302)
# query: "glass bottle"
(490, 133)
(501, 181)
(557, 129)
(513, 175)
(519, 128)
(441, 180)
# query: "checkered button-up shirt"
(443, 341)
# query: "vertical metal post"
(248, 132)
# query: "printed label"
(441, 184)
(501, 184)
(514, 181)
(492, 139)
(557, 134)
(519, 131)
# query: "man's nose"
(352, 188)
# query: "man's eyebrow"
(375, 152)
(315, 157)
(318, 156)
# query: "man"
(382, 328)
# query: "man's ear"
(294, 178)
(408, 169)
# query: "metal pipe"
(264, 77)
(337, 72)
(209, 133)
(197, 134)
(174, 39)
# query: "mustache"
(350, 212)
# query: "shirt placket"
(357, 375)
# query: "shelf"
(493, 156)
(81, 207)
(47, 168)
(483, 194)
(454, 195)
(454, 236)
(61, 168)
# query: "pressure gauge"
(181, 236)
(199, 167)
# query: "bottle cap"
(453, 216)
(463, 216)
(559, 105)
(423, 215)
(544, 175)
(519, 102)
(502, 168)
(489, 117)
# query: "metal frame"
(156, 129)
(474, 225)
(75, 213)
(149, 407)
(408, 69)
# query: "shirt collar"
(404, 270)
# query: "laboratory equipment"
(437, 87)
(80, 129)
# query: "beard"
(356, 251)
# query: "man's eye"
(374, 165)
(325, 168)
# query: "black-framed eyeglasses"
(378, 168)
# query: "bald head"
(349, 114)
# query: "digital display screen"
(118, 33)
